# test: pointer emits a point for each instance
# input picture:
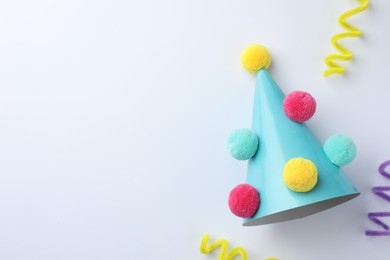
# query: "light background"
(114, 117)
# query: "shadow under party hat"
(290, 174)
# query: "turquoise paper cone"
(282, 139)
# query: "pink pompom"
(244, 200)
(299, 106)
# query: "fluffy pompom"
(255, 57)
(300, 175)
(341, 150)
(243, 144)
(244, 200)
(299, 106)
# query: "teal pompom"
(341, 150)
(243, 144)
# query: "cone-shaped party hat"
(290, 174)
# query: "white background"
(114, 117)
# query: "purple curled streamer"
(374, 217)
(382, 168)
(380, 191)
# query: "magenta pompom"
(299, 106)
(244, 200)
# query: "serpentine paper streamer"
(344, 55)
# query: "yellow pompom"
(300, 175)
(255, 57)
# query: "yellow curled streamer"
(352, 31)
(206, 249)
(223, 255)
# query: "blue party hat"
(290, 175)
(281, 140)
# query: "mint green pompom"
(243, 144)
(341, 150)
